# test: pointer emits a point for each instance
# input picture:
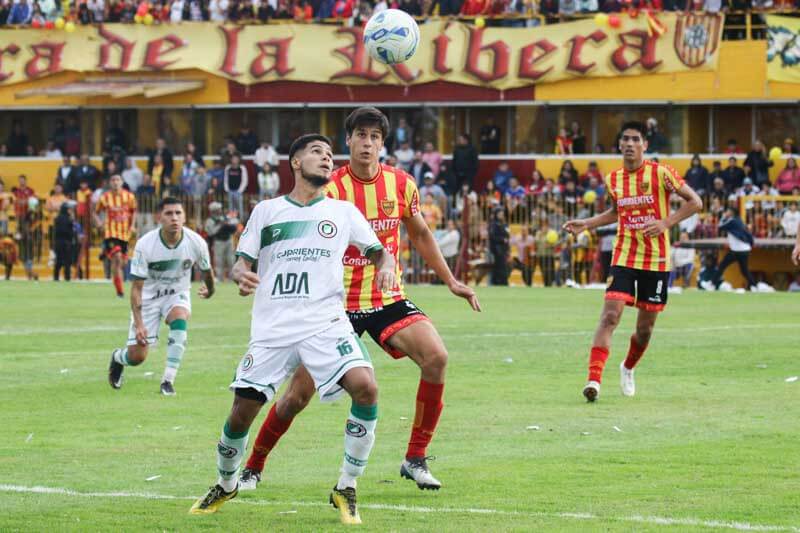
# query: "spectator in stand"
(716, 172)
(266, 154)
(88, 172)
(465, 161)
(166, 159)
(733, 175)
(499, 247)
(433, 158)
(571, 197)
(161, 179)
(403, 133)
(446, 179)
(67, 175)
(563, 143)
(515, 191)
(22, 194)
(188, 175)
(567, 173)
(217, 172)
(235, 184)
(246, 141)
(98, 9)
(132, 176)
(537, 182)
(83, 199)
(493, 196)
(697, 176)
(759, 163)
(445, 7)
(431, 187)
(218, 10)
(405, 156)
(343, 9)
(732, 147)
(525, 259)
(502, 176)
(412, 7)
(718, 190)
(448, 240)
(656, 141)
(491, 135)
(5, 10)
(740, 243)
(545, 253)
(682, 262)
(747, 189)
(54, 202)
(84, 15)
(20, 13)
(576, 134)
(17, 142)
(6, 201)
(51, 151)
(63, 238)
(789, 147)
(419, 168)
(30, 236)
(789, 178)
(176, 11)
(227, 153)
(790, 220)
(431, 212)
(471, 8)
(195, 153)
(268, 182)
(591, 172)
(220, 229)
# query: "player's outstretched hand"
(141, 335)
(385, 280)
(654, 228)
(574, 226)
(796, 254)
(248, 283)
(203, 291)
(466, 292)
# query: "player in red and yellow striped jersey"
(388, 198)
(640, 267)
(119, 207)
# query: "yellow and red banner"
(783, 49)
(500, 58)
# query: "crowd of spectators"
(515, 12)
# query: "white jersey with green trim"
(168, 270)
(299, 250)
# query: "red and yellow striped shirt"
(640, 197)
(386, 200)
(120, 208)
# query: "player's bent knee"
(136, 355)
(610, 319)
(291, 403)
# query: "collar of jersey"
(167, 246)
(371, 180)
(309, 204)
(635, 172)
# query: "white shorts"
(327, 356)
(156, 310)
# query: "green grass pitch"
(710, 442)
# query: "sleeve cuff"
(374, 248)
(242, 254)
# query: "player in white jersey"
(298, 318)
(162, 278)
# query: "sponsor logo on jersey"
(388, 206)
(327, 229)
(354, 429)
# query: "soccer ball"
(391, 36)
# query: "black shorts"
(645, 289)
(112, 246)
(384, 322)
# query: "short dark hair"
(304, 140)
(366, 116)
(168, 200)
(634, 125)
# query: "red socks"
(271, 431)
(118, 284)
(635, 352)
(597, 362)
(429, 408)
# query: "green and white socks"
(121, 357)
(230, 452)
(176, 345)
(359, 437)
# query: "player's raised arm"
(577, 226)
(136, 310)
(425, 243)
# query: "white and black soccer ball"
(391, 36)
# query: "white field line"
(650, 520)
(121, 328)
